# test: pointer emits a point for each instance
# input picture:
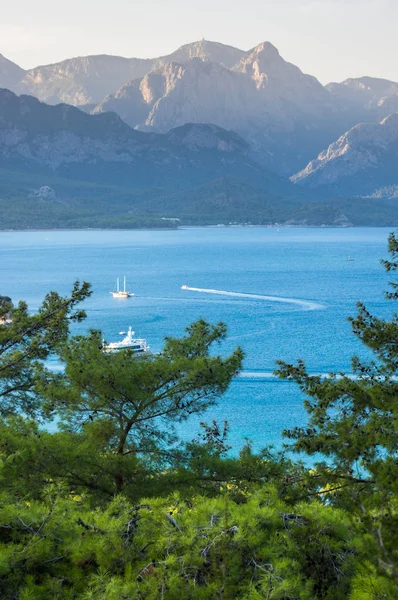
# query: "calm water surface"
(300, 264)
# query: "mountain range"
(104, 148)
(287, 116)
(206, 118)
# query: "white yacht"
(137, 345)
(121, 293)
(184, 287)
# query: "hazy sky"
(331, 39)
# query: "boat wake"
(246, 376)
(305, 304)
(270, 376)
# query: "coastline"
(33, 229)
(183, 227)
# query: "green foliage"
(92, 204)
(28, 340)
(113, 505)
(128, 406)
(353, 422)
(201, 549)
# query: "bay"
(297, 264)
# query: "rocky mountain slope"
(10, 73)
(201, 92)
(103, 148)
(281, 82)
(282, 112)
(366, 98)
(82, 80)
(358, 163)
(88, 79)
(76, 81)
(363, 91)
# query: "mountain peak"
(203, 45)
(264, 59)
(8, 61)
(205, 50)
(359, 162)
(198, 45)
(269, 70)
(10, 73)
(266, 48)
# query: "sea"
(284, 293)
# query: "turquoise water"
(308, 265)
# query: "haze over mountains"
(270, 121)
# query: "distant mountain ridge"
(364, 91)
(368, 98)
(104, 148)
(358, 163)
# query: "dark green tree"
(28, 339)
(166, 548)
(127, 405)
(354, 424)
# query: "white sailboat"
(121, 293)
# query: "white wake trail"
(306, 304)
(269, 375)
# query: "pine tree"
(28, 339)
(127, 405)
(354, 424)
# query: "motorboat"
(129, 342)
